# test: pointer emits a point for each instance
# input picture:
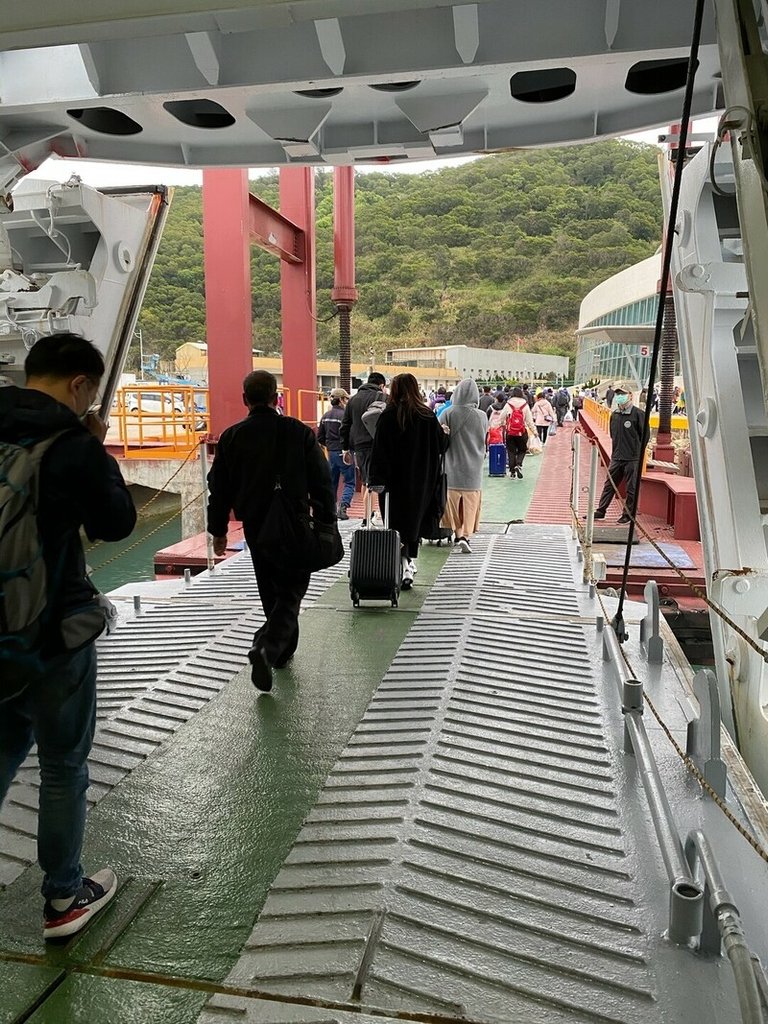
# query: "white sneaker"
(414, 567)
(407, 580)
(464, 546)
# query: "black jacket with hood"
(80, 486)
(251, 455)
(354, 433)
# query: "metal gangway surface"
(483, 847)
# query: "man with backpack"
(356, 434)
(55, 477)
(561, 403)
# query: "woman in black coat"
(406, 463)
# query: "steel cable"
(663, 288)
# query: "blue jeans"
(338, 469)
(58, 712)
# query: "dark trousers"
(58, 712)
(618, 471)
(560, 412)
(543, 431)
(281, 594)
(516, 450)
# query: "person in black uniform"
(249, 458)
(626, 425)
(329, 436)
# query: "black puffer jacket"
(354, 433)
(80, 486)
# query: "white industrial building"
(483, 363)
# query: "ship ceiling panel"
(453, 72)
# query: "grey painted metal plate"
(481, 850)
(155, 672)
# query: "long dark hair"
(405, 396)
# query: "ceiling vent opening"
(542, 86)
(200, 113)
(106, 120)
(651, 77)
(320, 94)
(394, 86)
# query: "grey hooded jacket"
(466, 440)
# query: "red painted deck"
(551, 504)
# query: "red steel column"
(297, 288)
(227, 251)
(344, 292)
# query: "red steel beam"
(272, 231)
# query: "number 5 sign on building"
(644, 350)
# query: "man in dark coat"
(80, 487)
(250, 457)
(486, 399)
(626, 426)
(356, 438)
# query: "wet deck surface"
(431, 814)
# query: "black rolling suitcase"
(375, 568)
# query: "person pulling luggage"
(406, 463)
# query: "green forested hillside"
(500, 249)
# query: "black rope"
(693, 63)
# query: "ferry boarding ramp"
(433, 816)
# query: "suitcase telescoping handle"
(383, 500)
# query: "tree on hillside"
(503, 246)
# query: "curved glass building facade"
(616, 326)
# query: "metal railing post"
(589, 531)
(575, 484)
(204, 498)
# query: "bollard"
(650, 638)
(188, 577)
(703, 745)
(686, 911)
(631, 703)
(137, 604)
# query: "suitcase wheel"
(355, 599)
(394, 599)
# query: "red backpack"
(516, 422)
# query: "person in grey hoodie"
(466, 427)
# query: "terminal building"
(192, 361)
(483, 363)
(616, 326)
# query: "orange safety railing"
(158, 420)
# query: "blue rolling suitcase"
(497, 459)
(375, 567)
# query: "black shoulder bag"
(293, 539)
